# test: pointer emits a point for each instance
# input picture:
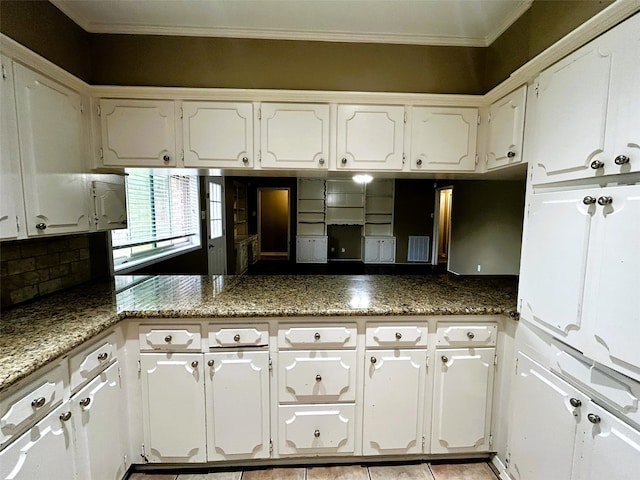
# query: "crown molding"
(510, 20)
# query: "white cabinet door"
(218, 134)
(311, 249)
(237, 393)
(462, 400)
(44, 451)
(379, 249)
(109, 203)
(393, 401)
(506, 130)
(611, 448)
(545, 413)
(443, 139)
(294, 135)
(53, 150)
(173, 407)
(554, 260)
(370, 137)
(98, 409)
(138, 133)
(11, 200)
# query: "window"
(163, 218)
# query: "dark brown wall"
(41, 27)
(348, 237)
(414, 204)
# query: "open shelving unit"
(311, 206)
(345, 202)
(378, 219)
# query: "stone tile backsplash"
(35, 267)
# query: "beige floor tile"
(462, 471)
(211, 476)
(274, 474)
(400, 472)
(152, 476)
(348, 472)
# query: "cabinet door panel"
(52, 150)
(110, 204)
(554, 263)
(543, 423)
(218, 134)
(462, 400)
(237, 411)
(295, 135)
(506, 129)
(393, 421)
(173, 407)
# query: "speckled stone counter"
(41, 331)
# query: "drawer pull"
(593, 418)
(168, 338)
(103, 356)
(471, 335)
(65, 416)
(236, 337)
(575, 403)
(194, 364)
(374, 359)
(318, 378)
(317, 336)
(316, 433)
(444, 359)
(398, 335)
(211, 363)
(85, 402)
(38, 402)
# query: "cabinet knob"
(621, 160)
(245, 160)
(85, 402)
(419, 162)
(168, 338)
(166, 158)
(316, 433)
(321, 161)
(194, 364)
(589, 200)
(343, 161)
(318, 378)
(597, 164)
(511, 154)
(605, 200)
(575, 403)
(374, 359)
(211, 363)
(471, 335)
(236, 337)
(444, 359)
(593, 418)
(398, 335)
(103, 356)
(41, 226)
(38, 402)
(317, 336)
(65, 416)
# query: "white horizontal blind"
(163, 212)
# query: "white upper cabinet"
(370, 137)
(443, 139)
(294, 135)
(109, 202)
(53, 150)
(138, 133)
(218, 134)
(586, 115)
(505, 131)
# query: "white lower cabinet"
(394, 388)
(379, 249)
(311, 249)
(237, 405)
(173, 407)
(45, 448)
(100, 442)
(462, 400)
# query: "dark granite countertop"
(41, 331)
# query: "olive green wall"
(151, 60)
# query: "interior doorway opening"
(273, 223)
(442, 226)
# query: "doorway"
(442, 226)
(216, 241)
(273, 223)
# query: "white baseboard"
(500, 468)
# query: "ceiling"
(422, 22)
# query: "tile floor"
(421, 471)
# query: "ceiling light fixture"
(362, 178)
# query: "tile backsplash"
(35, 267)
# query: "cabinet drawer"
(25, 406)
(225, 336)
(88, 363)
(305, 337)
(317, 376)
(316, 429)
(468, 335)
(400, 335)
(166, 338)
